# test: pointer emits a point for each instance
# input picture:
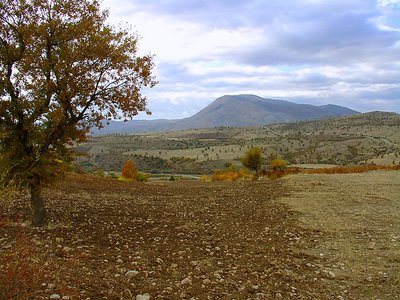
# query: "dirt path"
(359, 219)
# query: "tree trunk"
(39, 214)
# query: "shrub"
(253, 160)
(220, 175)
(22, 270)
(351, 169)
(129, 170)
(205, 178)
(142, 177)
(100, 173)
(225, 176)
(278, 164)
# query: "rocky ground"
(359, 215)
(193, 240)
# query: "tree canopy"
(129, 170)
(253, 159)
(63, 70)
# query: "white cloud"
(311, 51)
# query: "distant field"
(361, 139)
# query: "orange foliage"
(351, 169)
(274, 174)
(129, 170)
(22, 271)
(229, 175)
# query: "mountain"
(235, 111)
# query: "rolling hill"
(235, 111)
(369, 138)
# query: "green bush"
(142, 177)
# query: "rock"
(278, 296)
(331, 275)
(55, 296)
(159, 260)
(119, 261)
(206, 281)
(187, 280)
(131, 273)
(194, 263)
(143, 297)
(67, 249)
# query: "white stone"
(143, 297)
(131, 273)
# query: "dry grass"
(22, 269)
(352, 169)
(275, 174)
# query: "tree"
(63, 70)
(129, 170)
(278, 164)
(253, 159)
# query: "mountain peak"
(240, 111)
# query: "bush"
(253, 160)
(23, 270)
(129, 170)
(205, 178)
(351, 169)
(220, 175)
(278, 164)
(100, 173)
(142, 177)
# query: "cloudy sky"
(344, 52)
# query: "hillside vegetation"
(359, 139)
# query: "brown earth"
(303, 237)
(359, 215)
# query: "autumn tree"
(63, 70)
(253, 159)
(129, 170)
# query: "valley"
(371, 138)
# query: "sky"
(343, 52)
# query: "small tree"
(63, 69)
(278, 164)
(129, 170)
(253, 159)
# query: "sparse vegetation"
(359, 140)
(23, 269)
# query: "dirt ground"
(359, 216)
(301, 237)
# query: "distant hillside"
(350, 140)
(235, 111)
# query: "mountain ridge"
(235, 111)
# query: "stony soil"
(359, 215)
(194, 240)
